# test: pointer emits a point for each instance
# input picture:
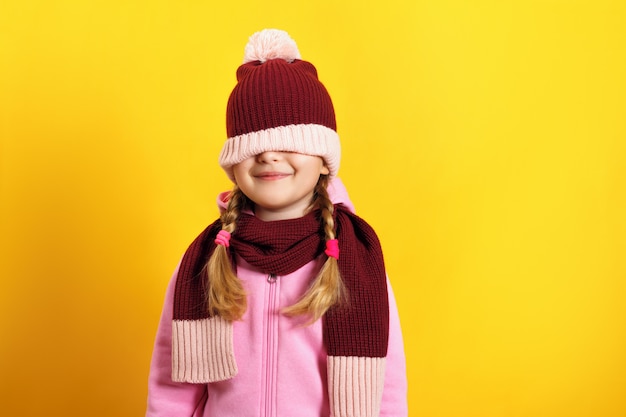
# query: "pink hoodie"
(281, 362)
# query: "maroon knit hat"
(278, 104)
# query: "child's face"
(280, 184)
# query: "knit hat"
(278, 104)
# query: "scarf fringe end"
(202, 350)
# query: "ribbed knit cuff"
(202, 350)
(355, 385)
(309, 139)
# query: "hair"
(226, 296)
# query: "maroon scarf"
(281, 247)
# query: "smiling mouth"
(272, 176)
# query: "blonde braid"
(225, 293)
(327, 289)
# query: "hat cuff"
(308, 139)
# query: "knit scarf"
(355, 335)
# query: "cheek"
(321, 168)
(239, 171)
(313, 164)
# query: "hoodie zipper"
(271, 346)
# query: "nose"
(269, 157)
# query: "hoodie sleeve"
(165, 397)
(394, 402)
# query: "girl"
(282, 306)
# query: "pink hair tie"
(223, 238)
(332, 248)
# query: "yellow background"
(484, 140)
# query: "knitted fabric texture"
(279, 104)
(277, 93)
(360, 329)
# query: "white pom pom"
(270, 44)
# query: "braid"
(225, 294)
(327, 208)
(327, 288)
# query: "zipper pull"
(271, 278)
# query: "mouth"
(272, 176)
